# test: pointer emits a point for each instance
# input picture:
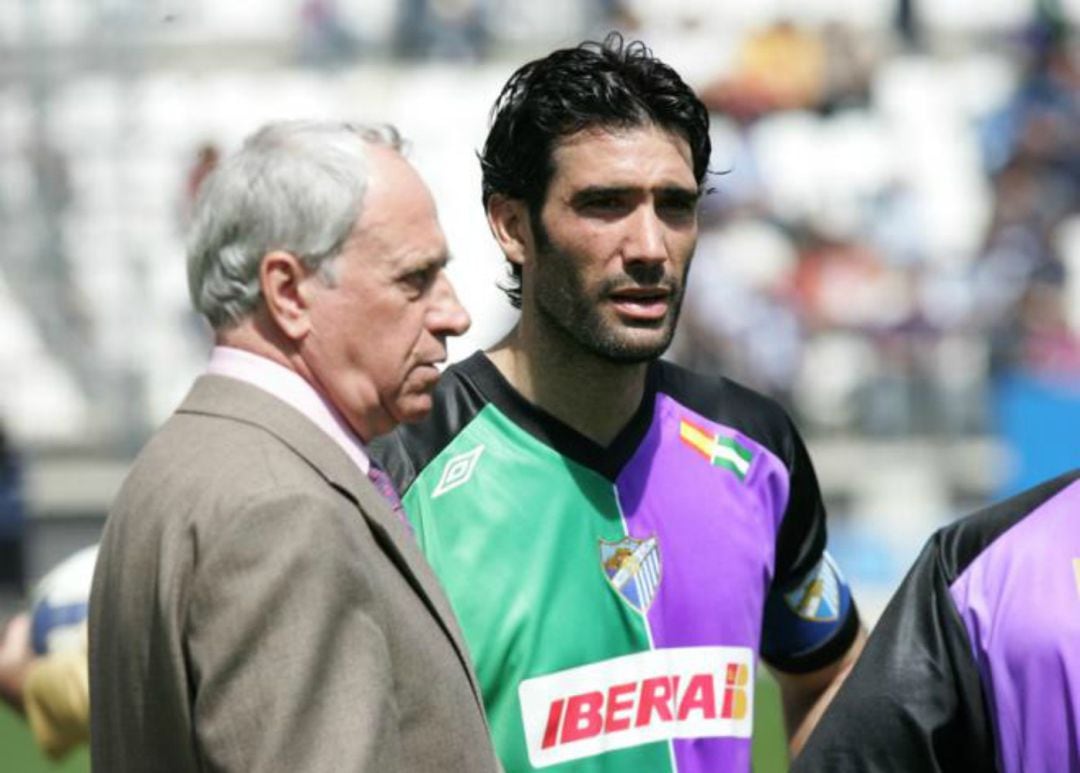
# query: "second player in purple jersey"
(975, 664)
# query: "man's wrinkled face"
(378, 331)
(614, 241)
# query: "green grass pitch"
(18, 754)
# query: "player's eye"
(677, 207)
(603, 204)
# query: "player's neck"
(593, 395)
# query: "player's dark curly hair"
(613, 84)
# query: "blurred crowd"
(893, 226)
(878, 258)
(893, 223)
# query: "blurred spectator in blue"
(1033, 149)
(443, 29)
(1039, 121)
(1025, 279)
(906, 23)
(325, 39)
(12, 516)
(605, 15)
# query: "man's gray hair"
(295, 186)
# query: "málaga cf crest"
(632, 566)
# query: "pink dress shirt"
(289, 387)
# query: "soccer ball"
(59, 604)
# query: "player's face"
(379, 330)
(617, 232)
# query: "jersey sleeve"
(914, 699)
(810, 616)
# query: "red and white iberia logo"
(684, 692)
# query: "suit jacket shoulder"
(255, 582)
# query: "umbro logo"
(457, 471)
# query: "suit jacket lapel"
(234, 399)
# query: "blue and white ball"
(59, 604)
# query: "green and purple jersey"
(615, 600)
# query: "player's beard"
(566, 305)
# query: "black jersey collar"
(607, 461)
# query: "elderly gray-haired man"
(259, 604)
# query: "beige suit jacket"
(258, 607)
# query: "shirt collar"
(291, 388)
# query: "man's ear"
(510, 225)
(286, 285)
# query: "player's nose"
(645, 241)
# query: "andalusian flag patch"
(719, 450)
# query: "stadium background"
(893, 248)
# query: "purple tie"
(381, 480)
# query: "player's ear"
(510, 225)
(287, 287)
